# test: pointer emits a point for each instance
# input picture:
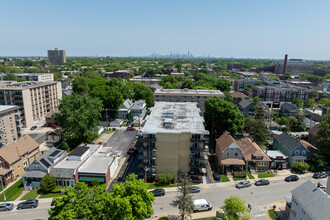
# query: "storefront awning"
(90, 179)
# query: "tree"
(184, 200)
(300, 167)
(255, 75)
(228, 97)
(223, 85)
(257, 130)
(286, 75)
(168, 82)
(324, 134)
(9, 77)
(299, 102)
(234, 208)
(318, 160)
(165, 178)
(310, 103)
(254, 100)
(325, 102)
(221, 116)
(79, 117)
(47, 183)
(128, 201)
(187, 84)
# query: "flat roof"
(189, 92)
(97, 163)
(13, 85)
(185, 115)
(8, 108)
(275, 153)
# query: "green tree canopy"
(79, 115)
(221, 116)
(9, 77)
(47, 183)
(129, 201)
(223, 85)
(257, 129)
(168, 82)
(187, 84)
(234, 208)
(254, 100)
(324, 134)
(299, 102)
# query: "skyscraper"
(56, 57)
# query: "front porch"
(229, 165)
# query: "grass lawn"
(13, 192)
(238, 178)
(50, 195)
(224, 178)
(251, 177)
(265, 175)
(207, 218)
(273, 214)
(30, 195)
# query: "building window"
(25, 164)
(8, 175)
(236, 154)
(227, 154)
(297, 152)
(303, 152)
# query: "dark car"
(33, 128)
(243, 184)
(158, 192)
(262, 182)
(216, 176)
(320, 175)
(131, 129)
(292, 178)
(132, 151)
(6, 206)
(32, 203)
(194, 189)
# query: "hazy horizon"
(253, 29)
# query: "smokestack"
(285, 67)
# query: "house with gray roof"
(124, 109)
(291, 148)
(139, 109)
(40, 167)
(309, 202)
(288, 109)
(246, 107)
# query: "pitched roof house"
(235, 154)
(124, 109)
(288, 109)
(291, 147)
(16, 157)
(246, 107)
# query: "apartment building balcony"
(202, 140)
(146, 139)
(194, 164)
(195, 157)
(198, 172)
(199, 149)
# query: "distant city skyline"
(216, 28)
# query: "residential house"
(125, 109)
(246, 107)
(237, 96)
(309, 202)
(50, 117)
(54, 135)
(311, 149)
(139, 109)
(40, 167)
(234, 154)
(288, 109)
(291, 148)
(16, 157)
(279, 160)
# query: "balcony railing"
(198, 157)
(203, 140)
(199, 149)
(198, 165)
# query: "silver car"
(243, 184)
(6, 206)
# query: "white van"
(201, 205)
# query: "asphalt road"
(41, 212)
(121, 140)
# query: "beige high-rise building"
(36, 99)
(56, 57)
(174, 140)
(10, 124)
(186, 95)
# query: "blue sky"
(222, 28)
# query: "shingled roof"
(288, 141)
(224, 141)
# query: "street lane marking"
(121, 171)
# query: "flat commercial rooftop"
(13, 85)
(174, 117)
(189, 92)
(7, 107)
(97, 163)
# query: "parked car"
(201, 205)
(262, 182)
(291, 178)
(32, 203)
(54, 126)
(320, 175)
(33, 128)
(131, 129)
(243, 184)
(216, 176)
(132, 151)
(158, 192)
(194, 189)
(6, 206)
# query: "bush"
(47, 183)
(165, 179)
(300, 167)
(240, 174)
(163, 218)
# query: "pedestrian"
(249, 207)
